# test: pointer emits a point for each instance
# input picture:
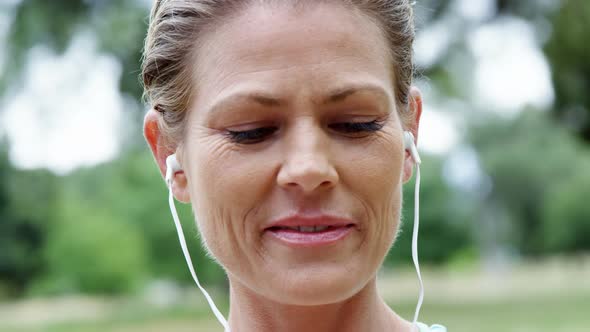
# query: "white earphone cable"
(220, 317)
(189, 261)
(415, 241)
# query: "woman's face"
(294, 123)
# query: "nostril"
(307, 175)
(326, 183)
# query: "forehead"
(311, 49)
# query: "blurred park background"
(87, 242)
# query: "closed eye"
(353, 129)
(357, 127)
(251, 136)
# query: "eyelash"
(348, 128)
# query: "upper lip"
(316, 220)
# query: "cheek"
(220, 174)
(376, 170)
(373, 174)
(226, 186)
(235, 180)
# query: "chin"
(318, 286)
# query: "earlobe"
(180, 188)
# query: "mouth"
(311, 232)
(308, 229)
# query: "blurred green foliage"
(100, 230)
(566, 213)
(119, 25)
(537, 170)
(26, 202)
(94, 251)
(445, 217)
(568, 54)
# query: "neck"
(365, 311)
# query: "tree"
(26, 206)
(444, 219)
(569, 53)
(566, 224)
(528, 158)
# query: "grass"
(569, 312)
(539, 298)
(556, 313)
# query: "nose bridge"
(307, 161)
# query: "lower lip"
(301, 239)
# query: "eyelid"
(251, 126)
(358, 118)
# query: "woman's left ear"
(415, 108)
(154, 138)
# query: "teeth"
(307, 229)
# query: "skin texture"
(292, 61)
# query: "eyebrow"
(339, 94)
(267, 100)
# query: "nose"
(306, 165)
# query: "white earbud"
(172, 166)
(410, 145)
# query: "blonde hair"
(175, 26)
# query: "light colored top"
(423, 328)
(433, 328)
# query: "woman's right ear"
(155, 140)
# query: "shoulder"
(433, 328)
